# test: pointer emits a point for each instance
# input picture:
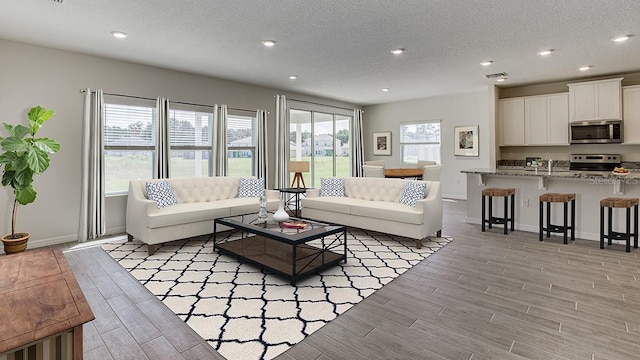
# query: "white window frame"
(403, 144)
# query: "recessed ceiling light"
(621, 38)
(585, 68)
(385, 89)
(397, 51)
(501, 79)
(119, 34)
(545, 52)
(268, 43)
(293, 77)
(486, 63)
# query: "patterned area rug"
(245, 312)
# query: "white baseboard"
(455, 196)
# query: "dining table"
(403, 173)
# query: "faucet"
(549, 165)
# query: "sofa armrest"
(138, 209)
(313, 192)
(431, 207)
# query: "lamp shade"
(298, 166)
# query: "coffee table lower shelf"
(279, 257)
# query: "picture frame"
(382, 143)
(466, 140)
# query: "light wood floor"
(483, 296)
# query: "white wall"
(473, 108)
(33, 75)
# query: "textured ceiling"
(340, 49)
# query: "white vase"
(280, 215)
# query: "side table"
(292, 195)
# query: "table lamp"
(298, 167)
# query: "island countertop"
(559, 173)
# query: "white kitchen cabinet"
(558, 119)
(595, 100)
(631, 114)
(511, 122)
(535, 120)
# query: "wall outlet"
(524, 202)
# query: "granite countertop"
(555, 173)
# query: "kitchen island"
(589, 186)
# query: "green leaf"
(20, 131)
(20, 162)
(23, 179)
(39, 114)
(25, 196)
(7, 177)
(7, 158)
(38, 160)
(13, 144)
(47, 145)
(9, 128)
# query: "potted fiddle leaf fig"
(22, 155)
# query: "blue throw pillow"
(251, 187)
(332, 187)
(413, 192)
(162, 193)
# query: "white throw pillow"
(332, 187)
(161, 192)
(251, 187)
(413, 192)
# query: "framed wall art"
(382, 143)
(466, 140)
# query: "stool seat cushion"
(557, 197)
(498, 191)
(619, 202)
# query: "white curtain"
(92, 208)
(282, 143)
(220, 139)
(161, 168)
(357, 144)
(261, 146)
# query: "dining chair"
(373, 171)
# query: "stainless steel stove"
(594, 162)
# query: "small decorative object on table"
(280, 215)
(294, 225)
(262, 213)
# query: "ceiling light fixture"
(486, 63)
(385, 89)
(621, 38)
(545, 52)
(397, 51)
(119, 34)
(268, 43)
(293, 77)
(502, 79)
(585, 68)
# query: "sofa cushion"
(331, 187)
(413, 192)
(336, 204)
(250, 187)
(239, 206)
(185, 213)
(392, 211)
(161, 192)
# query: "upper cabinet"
(534, 120)
(631, 114)
(595, 100)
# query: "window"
(129, 142)
(322, 138)
(190, 141)
(420, 141)
(241, 145)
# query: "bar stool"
(564, 229)
(498, 192)
(620, 203)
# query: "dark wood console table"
(402, 173)
(43, 307)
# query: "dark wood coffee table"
(291, 252)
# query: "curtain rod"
(315, 103)
(176, 102)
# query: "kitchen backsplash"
(558, 164)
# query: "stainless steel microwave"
(596, 132)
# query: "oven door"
(596, 132)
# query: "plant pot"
(16, 244)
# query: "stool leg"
(601, 227)
(549, 219)
(635, 226)
(506, 219)
(541, 217)
(573, 219)
(609, 226)
(513, 204)
(490, 212)
(483, 213)
(565, 210)
(628, 249)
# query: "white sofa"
(200, 201)
(372, 203)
